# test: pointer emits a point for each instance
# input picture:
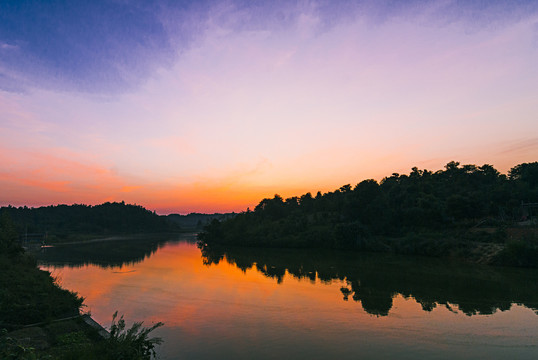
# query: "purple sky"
(211, 106)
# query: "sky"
(211, 106)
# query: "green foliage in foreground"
(83, 343)
(423, 212)
(132, 343)
(11, 350)
(29, 296)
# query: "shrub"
(133, 343)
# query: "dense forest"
(73, 221)
(195, 221)
(424, 212)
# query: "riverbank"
(58, 339)
(514, 246)
(32, 307)
(92, 238)
(39, 319)
(30, 295)
(458, 211)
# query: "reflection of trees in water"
(105, 254)
(375, 279)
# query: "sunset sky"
(210, 106)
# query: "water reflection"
(371, 279)
(108, 253)
(272, 304)
(374, 280)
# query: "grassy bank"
(29, 295)
(40, 320)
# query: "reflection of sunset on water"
(223, 308)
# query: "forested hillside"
(63, 221)
(194, 221)
(402, 213)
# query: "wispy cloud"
(110, 47)
(6, 46)
(519, 147)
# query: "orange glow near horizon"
(242, 108)
(43, 187)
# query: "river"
(299, 304)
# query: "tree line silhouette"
(423, 212)
(64, 221)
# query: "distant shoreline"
(118, 237)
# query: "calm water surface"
(296, 304)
